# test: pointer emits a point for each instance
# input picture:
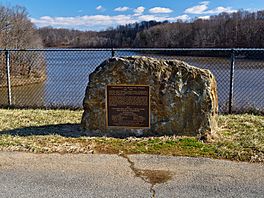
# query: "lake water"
(68, 75)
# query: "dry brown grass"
(240, 137)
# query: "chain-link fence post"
(113, 52)
(8, 78)
(231, 89)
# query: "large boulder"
(183, 98)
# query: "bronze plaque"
(128, 106)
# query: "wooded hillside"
(240, 29)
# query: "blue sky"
(102, 14)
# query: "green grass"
(240, 137)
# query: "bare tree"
(18, 32)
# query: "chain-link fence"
(57, 78)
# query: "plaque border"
(106, 109)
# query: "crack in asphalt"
(151, 177)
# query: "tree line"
(226, 30)
(122, 36)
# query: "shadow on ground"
(74, 131)
(65, 130)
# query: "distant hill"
(240, 29)
(122, 36)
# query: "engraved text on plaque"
(128, 106)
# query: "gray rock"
(183, 98)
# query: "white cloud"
(204, 17)
(220, 9)
(139, 10)
(100, 22)
(184, 17)
(156, 10)
(163, 18)
(121, 9)
(202, 8)
(101, 8)
(149, 18)
(93, 22)
(205, 2)
(199, 9)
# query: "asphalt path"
(78, 175)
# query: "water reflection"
(28, 95)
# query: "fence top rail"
(136, 49)
(189, 49)
(59, 49)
